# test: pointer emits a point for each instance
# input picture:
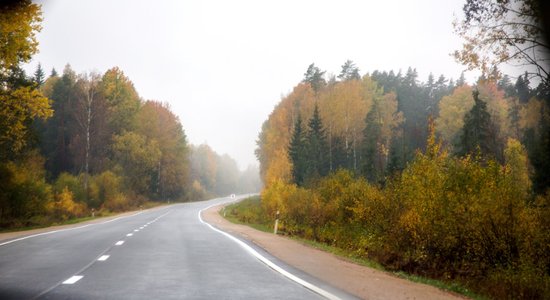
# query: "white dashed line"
(73, 279)
(67, 229)
(103, 258)
(129, 234)
(119, 243)
(136, 230)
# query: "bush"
(106, 189)
(73, 183)
(446, 217)
(65, 207)
(24, 193)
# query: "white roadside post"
(276, 223)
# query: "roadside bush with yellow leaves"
(64, 207)
(465, 218)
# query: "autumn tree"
(156, 122)
(497, 32)
(20, 102)
(452, 109)
(122, 100)
(137, 158)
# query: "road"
(163, 253)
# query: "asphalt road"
(165, 253)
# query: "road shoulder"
(364, 282)
(6, 236)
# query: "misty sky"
(224, 65)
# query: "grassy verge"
(249, 212)
(98, 214)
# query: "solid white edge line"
(103, 257)
(269, 263)
(67, 229)
(73, 279)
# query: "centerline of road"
(102, 257)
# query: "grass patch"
(98, 214)
(250, 212)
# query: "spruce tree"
(297, 152)
(39, 75)
(317, 154)
(478, 133)
(371, 140)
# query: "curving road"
(166, 253)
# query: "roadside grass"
(249, 212)
(99, 214)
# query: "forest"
(75, 143)
(440, 178)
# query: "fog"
(223, 65)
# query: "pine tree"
(349, 71)
(461, 80)
(522, 88)
(297, 152)
(317, 154)
(315, 77)
(53, 73)
(39, 75)
(478, 133)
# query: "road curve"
(166, 253)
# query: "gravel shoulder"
(364, 282)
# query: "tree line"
(373, 125)
(72, 143)
(438, 178)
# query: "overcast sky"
(224, 65)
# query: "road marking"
(67, 229)
(141, 228)
(269, 263)
(73, 279)
(119, 243)
(103, 257)
(129, 234)
(136, 230)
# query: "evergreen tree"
(53, 73)
(297, 152)
(540, 157)
(461, 80)
(371, 142)
(349, 71)
(315, 77)
(522, 88)
(39, 75)
(317, 154)
(478, 133)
